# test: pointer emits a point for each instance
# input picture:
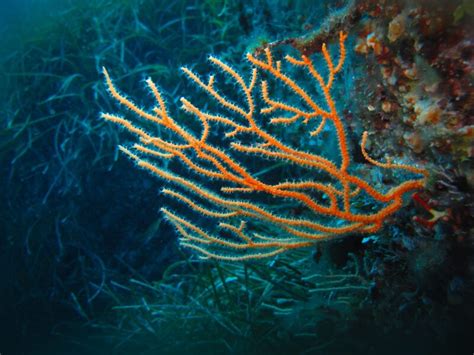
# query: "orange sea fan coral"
(240, 206)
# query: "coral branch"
(247, 225)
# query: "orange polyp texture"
(235, 217)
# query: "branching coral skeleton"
(246, 227)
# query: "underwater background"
(89, 265)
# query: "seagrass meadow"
(236, 177)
